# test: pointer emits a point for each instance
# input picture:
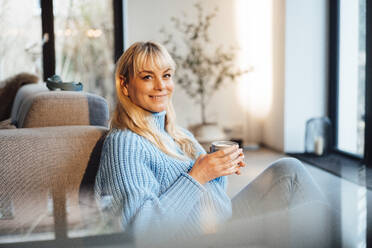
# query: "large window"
(20, 37)
(350, 94)
(348, 56)
(84, 44)
(351, 68)
(78, 40)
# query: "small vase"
(207, 133)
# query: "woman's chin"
(157, 109)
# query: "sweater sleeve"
(135, 190)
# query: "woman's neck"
(159, 119)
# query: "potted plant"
(203, 67)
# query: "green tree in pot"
(202, 67)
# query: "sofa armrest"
(41, 170)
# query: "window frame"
(368, 95)
(48, 65)
(366, 159)
(115, 239)
(333, 87)
(47, 22)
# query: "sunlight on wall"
(254, 25)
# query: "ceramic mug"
(220, 145)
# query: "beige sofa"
(47, 171)
(47, 161)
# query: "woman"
(158, 176)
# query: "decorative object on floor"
(207, 132)
(203, 66)
(318, 136)
(251, 146)
(55, 82)
(9, 88)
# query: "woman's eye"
(168, 75)
(147, 77)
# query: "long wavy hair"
(128, 115)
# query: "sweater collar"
(159, 119)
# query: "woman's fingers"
(242, 164)
(232, 170)
(232, 166)
(234, 155)
(221, 163)
(231, 156)
(235, 162)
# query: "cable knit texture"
(153, 192)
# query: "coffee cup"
(220, 145)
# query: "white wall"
(348, 77)
(145, 19)
(306, 66)
(273, 125)
(255, 33)
(286, 43)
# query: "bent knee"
(286, 165)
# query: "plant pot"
(208, 132)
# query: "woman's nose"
(159, 84)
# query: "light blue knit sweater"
(151, 191)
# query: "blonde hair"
(128, 115)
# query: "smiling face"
(151, 87)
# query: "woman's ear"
(123, 85)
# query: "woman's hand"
(221, 163)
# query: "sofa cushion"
(36, 106)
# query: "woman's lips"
(158, 97)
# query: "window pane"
(84, 42)
(20, 37)
(351, 101)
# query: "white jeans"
(282, 207)
(284, 184)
